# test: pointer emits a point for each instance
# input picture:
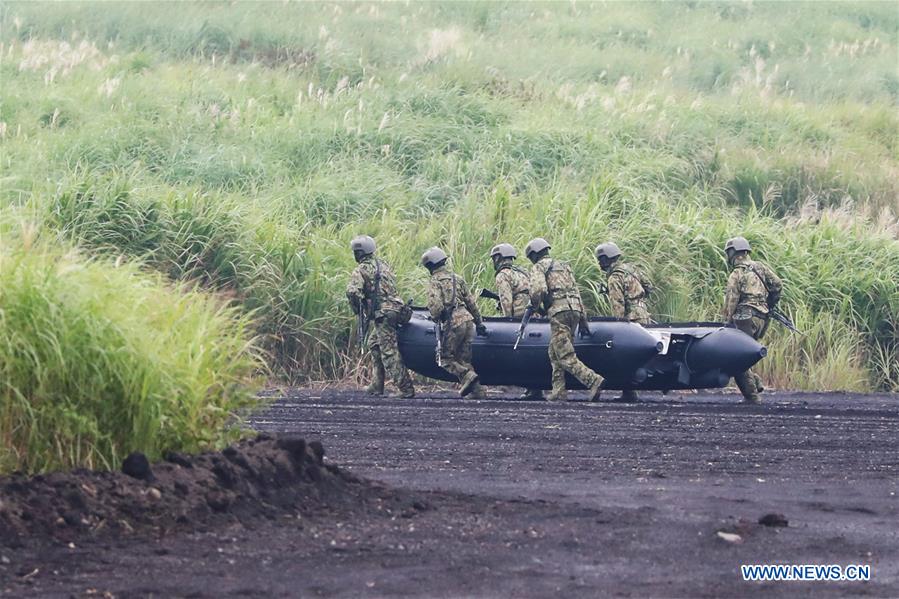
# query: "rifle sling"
(376, 303)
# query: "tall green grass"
(98, 359)
(838, 268)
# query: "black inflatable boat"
(696, 355)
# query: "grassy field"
(240, 146)
(99, 359)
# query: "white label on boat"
(664, 337)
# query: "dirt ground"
(526, 499)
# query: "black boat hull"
(627, 355)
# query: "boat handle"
(535, 334)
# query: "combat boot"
(377, 380)
(627, 396)
(558, 396)
(596, 389)
(468, 383)
(532, 395)
(406, 393)
(477, 392)
(758, 383)
(747, 386)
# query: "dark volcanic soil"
(503, 498)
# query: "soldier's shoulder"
(621, 269)
(735, 275)
(554, 264)
(358, 272)
(764, 266)
(383, 265)
(443, 277)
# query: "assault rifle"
(783, 319)
(363, 319)
(438, 328)
(492, 295)
(524, 323)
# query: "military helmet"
(536, 245)
(433, 257)
(363, 243)
(607, 250)
(503, 250)
(738, 244)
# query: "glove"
(583, 330)
(481, 329)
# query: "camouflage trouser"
(561, 352)
(455, 352)
(385, 354)
(638, 313)
(754, 325)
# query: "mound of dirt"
(261, 477)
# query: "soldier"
(628, 290)
(752, 290)
(555, 294)
(513, 287)
(453, 308)
(373, 295)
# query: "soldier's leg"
(558, 393)
(448, 353)
(457, 347)
(760, 325)
(641, 314)
(746, 384)
(628, 396)
(376, 386)
(566, 355)
(749, 383)
(390, 355)
(470, 382)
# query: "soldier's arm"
(355, 290)
(647, 285)
(468, 300)
(538, 286)
(731, 295)
(580, 301)
(775, 285)
(504, 291)
(616, 296)
(435, 299)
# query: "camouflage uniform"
(628, 289)
(555, 293)
(372, 289)
(513, 287)
(451, 304)
(751, 288)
